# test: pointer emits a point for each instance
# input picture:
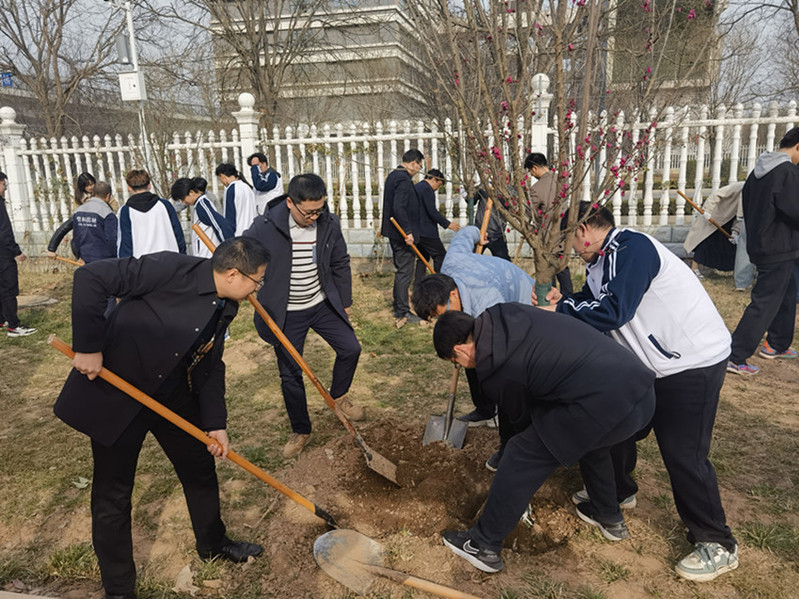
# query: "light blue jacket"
(483, 281)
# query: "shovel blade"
(345, 554)
(436, 430)
(383, 466)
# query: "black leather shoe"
(237, 551)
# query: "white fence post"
(247, 118)
(19, 207)
(540, 122)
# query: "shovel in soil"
(445, 428)
(195, 432)
(356, 561)
(378, 463)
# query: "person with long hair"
(84, 189)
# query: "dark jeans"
(498, 248)
(433, 251)
(564, 280)
(112, 485)
(772, 309)
(524, 467)
(9, 290)
(403, 262)
(331, 327)
(683, 423)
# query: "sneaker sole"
(605, 532)
(490, 423)
(628, 504)
(762, 354)
(741, 372)
(471, 559)
(705, 576)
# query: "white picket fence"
(354, 160)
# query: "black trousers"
(9, 290)
(525, 465)
(112, 485)
(564, 280)
(404, 259)
(433, 251)
(499, 248)
(685, 412)
(331, 327)
(772, 310)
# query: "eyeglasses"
(310, 213)
(258, 284)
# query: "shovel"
(413, 246)
(380, 464)
(446, 428)
(195, 432)
(356, 561)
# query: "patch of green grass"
(780, 539)
(19, 566)
(539, 585)
(664, 501)
(612, 572)
(774, 499)
(75, 562)
(589, 593)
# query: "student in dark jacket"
(429, 243)
(771, 214)
(10, 254)
(84, 190)
(549, 376)
(166, 338)
(94, 234)
(308, 286)
(400, 201)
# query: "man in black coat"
(166, 337)
(308, 286)
(429, 243)
(401, 202)
(771, 214)
(549, 376)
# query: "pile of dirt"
(440, 488)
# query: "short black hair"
(260, 156)
(535, 159)
(434, 173)
(306, 187)
(452, 328)
(790, 139)
(101, 189)
(429, 293)
(412, 155)
(3, 176)
(599, 216)
(245, 254)
(200, 184)
(227, 169)
(181, 188)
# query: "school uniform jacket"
(212, 223)
(268, 186)
(167, 301)
(332, 260)
(648, 299)
(148, 224)
(552, 371)
(239, 206)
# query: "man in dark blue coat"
(429, 242)
(549, 376)
(166, 337)
(308, 286)
(401, 203)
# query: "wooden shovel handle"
(195, 432)
(419, 583)
(484, 226)
(68, 261)
(415, 249)
(700, 211)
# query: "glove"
(706, 215)
(733, 239)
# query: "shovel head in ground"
(356, 561)
(446, 428)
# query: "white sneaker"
(707, 561)
(581, 496)
(20, 331)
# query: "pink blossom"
(571, 47)
(691, 14)
(594, 205)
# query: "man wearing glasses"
(308, 286)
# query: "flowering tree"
(606, 60)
